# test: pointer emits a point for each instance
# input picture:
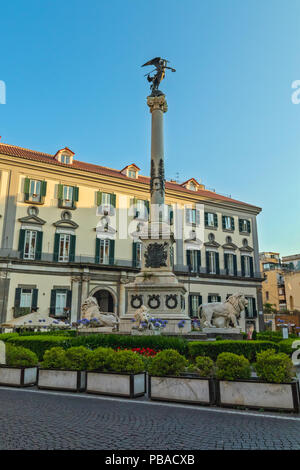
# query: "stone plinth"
(226, 333)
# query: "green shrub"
(19, 356)
(168, 362)
(275, 336)
(213, 348)
(101, 359)
(272, 367)
(69, 333)
(54, 358)
(127, 361)
(158, 343)
(7, 336)
(77, 358)
(205, 366)
(285, 345)
(40, 344)
(232, 366)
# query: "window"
(132, 174)
(141, 209)
(60, 303)
(267, 295)
(65, 159)
(247, 266)
(192, 216)
(106, 199)
(26, 297)
(67, 196)
(193, 260)
(194, 301)
(211, 220)
(30, 244)
(34, 190)
(104, 252)
(230, 264)
(214, 298)
(192, 187)
(250, 310)
(212, 262)
(64, 247)
(227, 222)
(244, 226)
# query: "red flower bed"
(148, 352)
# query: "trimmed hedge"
(213, 348)
(7, 336)
(71, 333)
(158, 343)
(285, 345)
(39, 344)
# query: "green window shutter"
(147, 209)
(219, 298)
(207, 261)
(111, 252)
(21, 242)
(134, 254)
(243, 265)
(197, 217)
(99, 198)
(206, 218)
(134, 204)
(60, 191)
(240, 225)
(217, 263)
(72, 248)
(52, 301)
(215, 220)
(198, 260)
(190, 306)
(251, 267)
(254, 307)
(113, 200)
(209, 299)
(226, 262)
(39, 245)
(69, 299)
(170, 214)
(56, 247)
(34, 299)
(26, 188)
(18, 297)
(223, 222)
(199, 300)
(248, 226)
(188, 258)
(75, 193)
(97, 253)
(187, 215)
(43, 188)
(235, 265)
(232, 223)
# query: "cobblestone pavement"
(39, 420)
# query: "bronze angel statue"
(160, 69)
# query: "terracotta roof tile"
(15, 151)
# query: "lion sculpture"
(90, 310)
(222, 314)
(142, 316)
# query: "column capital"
(157, 102)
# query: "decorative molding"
(157, 102)
(32, 220)
(212, 244)
(229, 246)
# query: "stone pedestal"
(225, 333)
(156, 286)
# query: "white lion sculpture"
(142, 316)
(221, 314)
(90, 310)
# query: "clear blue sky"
(73, 77)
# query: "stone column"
(85, 287)
(158, 106)
(74, 305)
(122, 293)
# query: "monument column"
(158, 106)
(74, 305)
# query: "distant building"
(292, 282)
(273, 290)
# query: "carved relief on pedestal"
(171, 301)
(156, 255)
(136, 301)
(153, 301)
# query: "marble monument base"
(225, 333)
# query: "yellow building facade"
(273, 288)
(69, 229)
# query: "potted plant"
(120, 373)
(20, 369)
(64, 369)
(274, 389)
(172, 378)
